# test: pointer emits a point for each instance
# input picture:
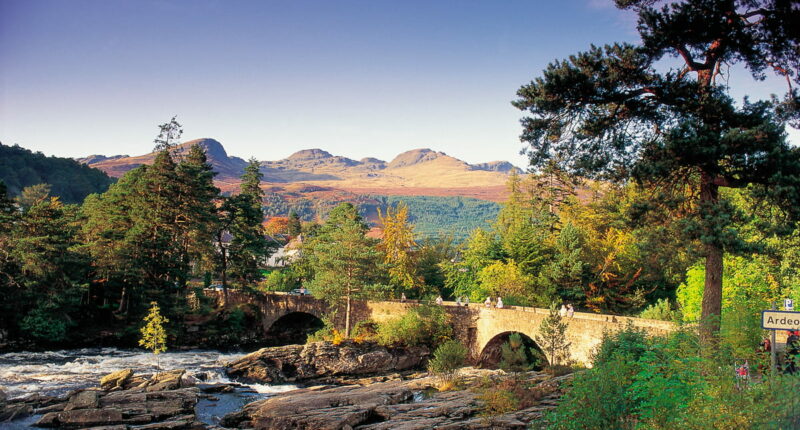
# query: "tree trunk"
(712, 292)
(122, 299)
(224, 278)
(347, 318)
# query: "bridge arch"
(491, 354)
(292, 328)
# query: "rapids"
(56, 373)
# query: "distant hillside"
(415, 172)
(227, 168)
(70, 180)
(432, 215)
(435, 216)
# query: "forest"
(68, 179)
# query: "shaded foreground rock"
(294, 363)
(387, 405)
(163, 401)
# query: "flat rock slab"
(378, 406)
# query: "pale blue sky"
(268, 78)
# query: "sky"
(367, 78)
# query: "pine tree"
(243, 217)
(197, 214)
(33, 195)
(614, 113)
(294, 227)
(552, 337)
(169, 135)
(514, 355)
(154, 336)
(344, 260)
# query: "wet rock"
(171, 380)
(83, 400)
(324, 359)
(218, 388)
(116, 380)
(15, 411)
(81, 418)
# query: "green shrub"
(41, 324)
(447, 359)
(630, 342)
(672, 382)
(514, 356)
(420, 325)
(662, 310)
(326, 333)
(236, 321)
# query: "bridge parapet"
(476, 325)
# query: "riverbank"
(357, 385)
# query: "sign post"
(773, 357)
(779, 320)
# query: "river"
(55, 373)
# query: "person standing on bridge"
(439, 300)
(499, 303)
(466, 301)
(488, 302)
(402, 297)
(570, 311)
(563, 311)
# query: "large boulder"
(295, 363)
(116, 380)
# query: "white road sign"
(788, 304)
(780, 320)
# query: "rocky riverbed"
(412, 404)
(347, 386)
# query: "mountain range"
(412, 173)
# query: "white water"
(55, 373)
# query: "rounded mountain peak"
(310, 154)
(415, 156)
(213, 148)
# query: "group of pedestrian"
(498, 304)
(460, 302)
(566, 311)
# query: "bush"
(498, 401)
(364, 330)
(421, 325)
(662, 310)
(42, 325)
(447, 359)
(671, 382)
(630, 342)
(327, 332)
(514, 356)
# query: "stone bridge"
(482, 329)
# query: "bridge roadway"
(478, 327)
